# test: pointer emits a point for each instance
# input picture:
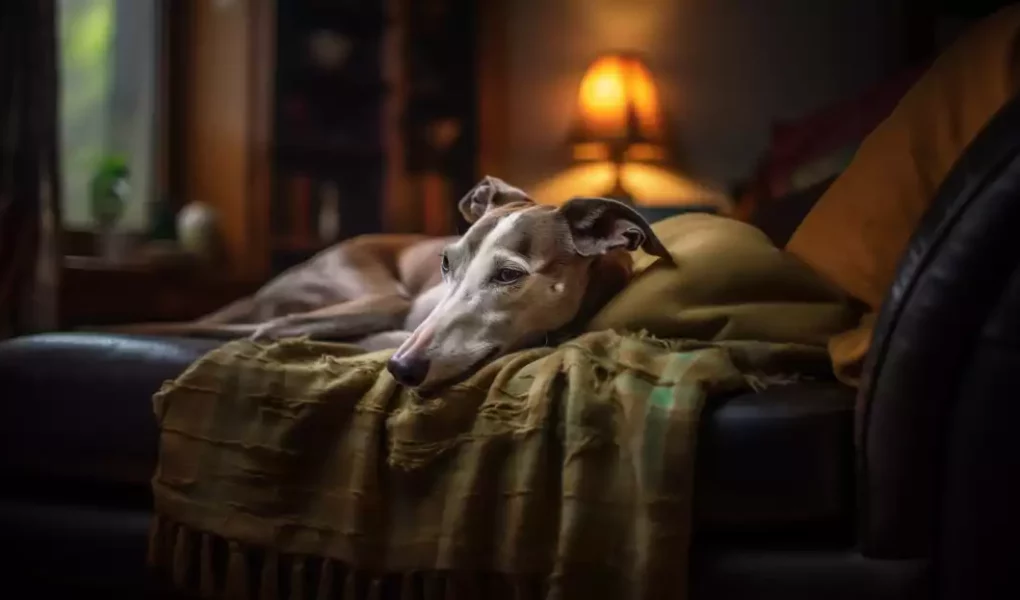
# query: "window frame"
(167, 176)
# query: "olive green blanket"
(301, 470)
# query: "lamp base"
(620, 195)
(618, 192)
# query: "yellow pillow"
(855, 234)
(731, 283)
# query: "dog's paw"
(272, 330)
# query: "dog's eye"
(445, 265)
(507, 275)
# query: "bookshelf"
(328, 152)
(373, 121)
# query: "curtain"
(30, 256)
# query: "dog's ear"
(487, 194)
(599, 225)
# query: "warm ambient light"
(654, 185)
(618, 101)
(619, 118)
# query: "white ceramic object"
(328, 49)
(329, 214)
(198, 229)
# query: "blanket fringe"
(297, 579)
(325, 581)
(181, 556)
(155, 531)
(762, 381)
(270, 588)
(207, 566)
(375, 590)
(407, 587)
(350, 586)
(206, 577)
(237, 574)
(756, 380)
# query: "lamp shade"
(618, 104)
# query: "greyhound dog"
(521, 272)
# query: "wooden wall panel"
(226, 114)
(261, 97)
(493, 93)
(399, 209)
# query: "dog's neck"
(608, 275)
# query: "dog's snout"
(409, 371)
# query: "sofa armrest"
(74, 407)
(979, 524)
(952, 277)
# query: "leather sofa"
(901, 489)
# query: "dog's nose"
(408, 370)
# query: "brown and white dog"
(449, 305)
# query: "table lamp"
(618, 117)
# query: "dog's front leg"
(352, 319)
(274, 329)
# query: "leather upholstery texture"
(927, 338)
(76, 407)
(976, 555)
(776, 460)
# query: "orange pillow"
(855, 234)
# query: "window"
(109, 73)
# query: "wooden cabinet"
(96, 293)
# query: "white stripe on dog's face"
(520, 272)
(510, 281)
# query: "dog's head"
(521, 271)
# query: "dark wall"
(727, 69)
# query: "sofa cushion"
(781, 459)
(856, 234)
(728, 282)
(75, 406)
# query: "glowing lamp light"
(617, 99)
(618, 116)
